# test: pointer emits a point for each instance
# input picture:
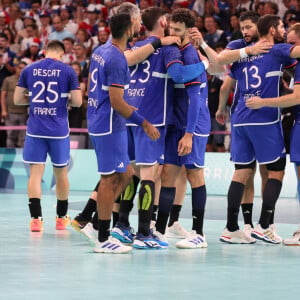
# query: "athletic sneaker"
(111, 245)
(62, 223)
(247, 231)
(235, 237)
(36, 225)
(90, 233)
(192, 242)
(123, 233)
(78, 223)
(293, 241)
(151, 241)
(176, 231)
(274, 230)
(266, 235)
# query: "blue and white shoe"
(151, 241)
(123, 234)
(192, 242)
(111, 245)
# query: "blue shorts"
(144, 150)
(36, 150)
(111, 152)
(193, 160)
(263, 143)
(295, 144)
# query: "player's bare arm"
(229, 56)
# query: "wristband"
(243, 53)
(156, 44)
(203, 45)
(206, 64)
(136, 118)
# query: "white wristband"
(203, 45)
(243, 53)
(206, 64)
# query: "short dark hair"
(55, 45)
(249, 15)
(150, 17)
(266, 22)
(183, 15)
(119, 23)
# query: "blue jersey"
(181, 98)
(108, 68)
(237, 44)
(296, 108)
(259, 75)
(151, 89)
(49, 82)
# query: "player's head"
(271, 25)
(248, 25)
(181, 21)
(55, 46)
(134, 12)
(120, 24)
(293, 35)
(153, 17)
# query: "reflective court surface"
(61, 264)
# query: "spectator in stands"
(213, 34)
(59, 33)
(14, 115)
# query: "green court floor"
(62, 265)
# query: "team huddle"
(149, 123)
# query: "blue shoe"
(151, 241)
(123, 233)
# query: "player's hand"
(221, 116)
(202, 57)
(195, 36)
(262, 46)
(170, 40)
(254, 102)
(185, 144)
(150, 130)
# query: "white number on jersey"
(41, 86)
(253, 72)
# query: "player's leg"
(175, 229)
(114, 178)
(243, 155)
(37, 160)
(269, 137)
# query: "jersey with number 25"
(49, 82)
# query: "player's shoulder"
(236, 44)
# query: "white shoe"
(293, 241)
(111, 245)
(235, 237)
(176, 231)
(90, 233)
(266, 235)
(192, 242)
(274, 230)
(161, 237)
(247, 231)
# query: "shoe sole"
(111, 252)
(120, 238)
(230, 242)
(258, 237)
(197, 247)
(149, 248)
